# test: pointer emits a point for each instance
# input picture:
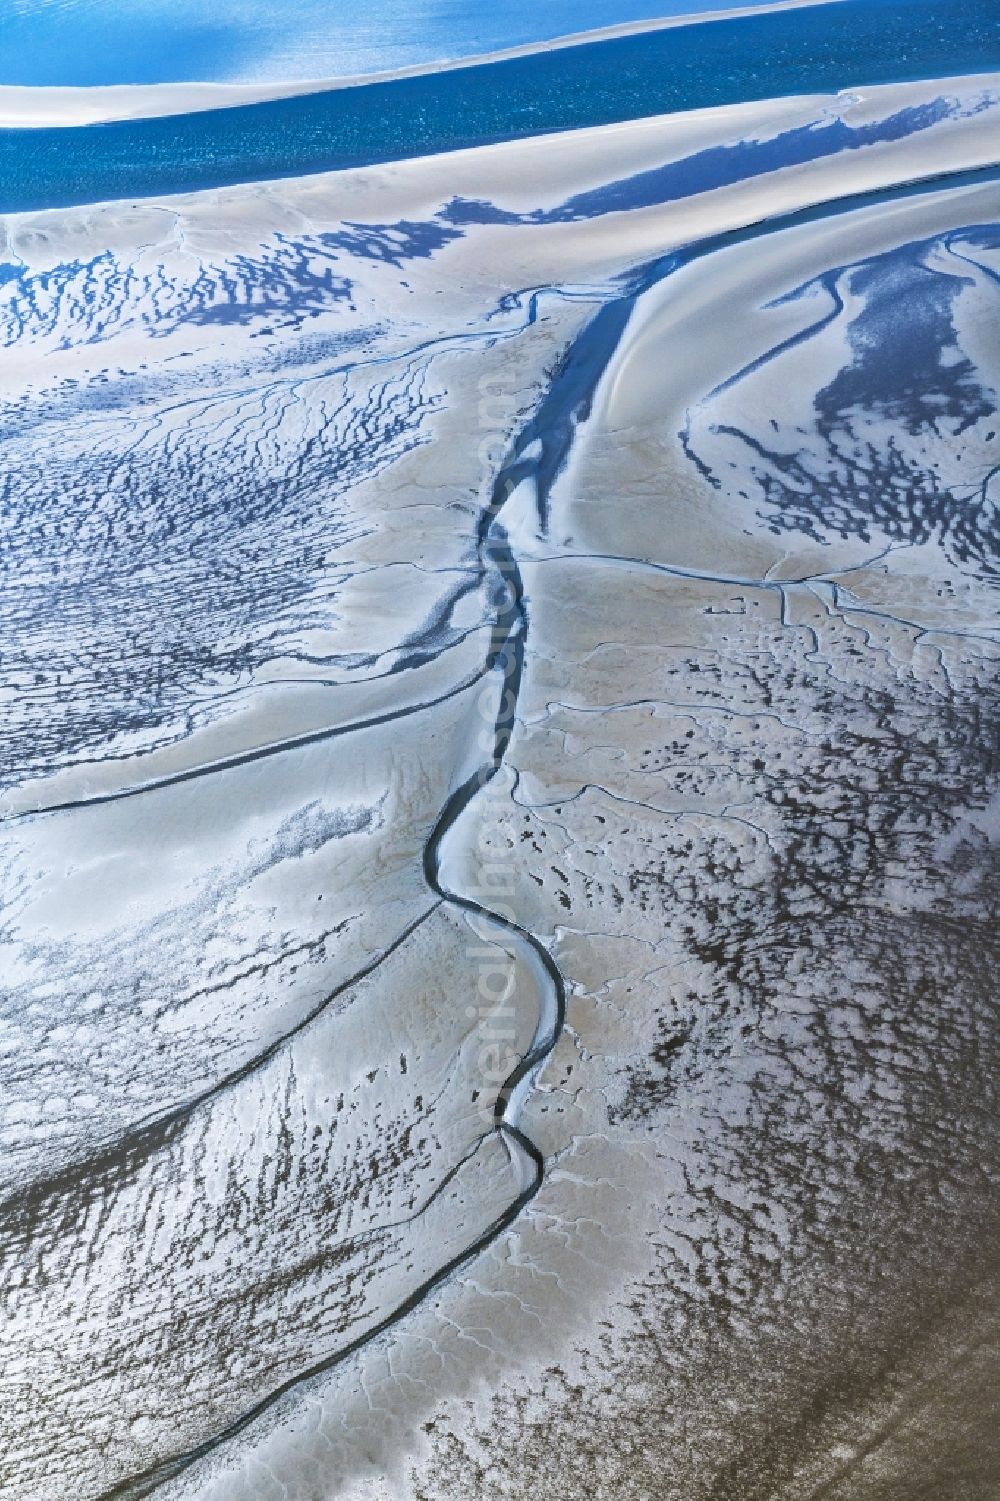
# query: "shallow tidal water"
(818, 48)
(81, 43)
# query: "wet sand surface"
(498, 810)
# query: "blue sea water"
(818, 48)
(87, 42)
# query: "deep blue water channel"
(819, 48)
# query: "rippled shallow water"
(88, 42)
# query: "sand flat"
(496, 803)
